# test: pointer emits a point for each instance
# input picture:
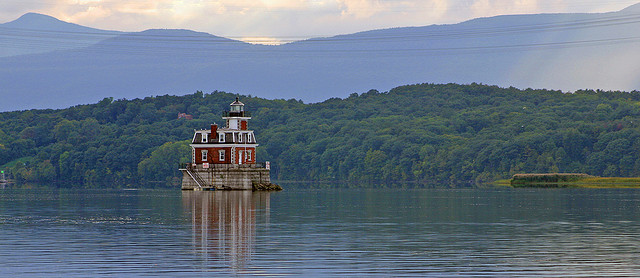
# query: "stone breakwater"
(266, 187)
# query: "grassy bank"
(613, 182)
(572, 180)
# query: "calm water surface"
(484, 232)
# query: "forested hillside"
(447, 135)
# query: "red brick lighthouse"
(233, 144)
(225, 158)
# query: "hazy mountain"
(555, 51)
(38, 33)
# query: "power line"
(600, 21)
(135, 43)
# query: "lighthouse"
(225, 157)
(232, 144)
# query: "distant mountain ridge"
(36, 21)
(554, 51)
(633, 8)
(38, 33)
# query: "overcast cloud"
(286, 20)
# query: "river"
(320, 233)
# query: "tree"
(163, 162)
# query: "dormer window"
(205, 137)
(221, 136)
(240, 135)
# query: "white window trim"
(205, 154)
(221, 136)
(205, 138)
(221, 155)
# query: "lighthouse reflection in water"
(224, 224)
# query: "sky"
(280, 21)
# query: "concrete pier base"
(224, 177)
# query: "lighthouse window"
(221, 154)
(248, 152)
(204, 155)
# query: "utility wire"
(367, 35)
(142, 42)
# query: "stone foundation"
(225, 177)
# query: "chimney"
(214, 132)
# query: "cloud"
(361, 8)
(370, 9)
(492, 7)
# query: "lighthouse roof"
(237, 102)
